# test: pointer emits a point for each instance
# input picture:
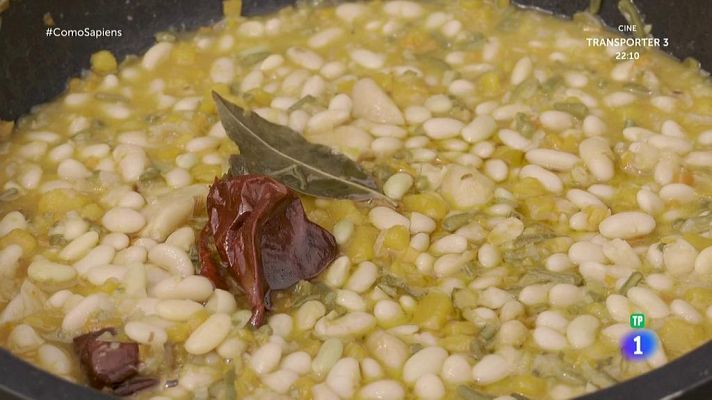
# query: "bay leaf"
(278, 151)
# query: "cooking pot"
(35, 68)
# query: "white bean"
(123, 220)
(23, 338)
(627, 225)
(597, 156)
(649, 302)
(386, 389)
(324, 37)
(11, 221)
(514, 139)
(481, 128)
(102, 273)
(429, 387)
(156, 55)
(337, 272)
(231, 348)
(521, 71)
(703, 261)
(549, 339)
(426, 361)
(172, 259)
(209, 334)
(679, 257)
(563, 295)
(372, 103)
(352, 324)
(299, 362)
(280, 381)
(685, 311)
(54, 359)
(491, 368)
(397, 185)
(442, 128)
(99, 255)
(305, 58)
(193, 287)
(145, 333)
(50, 273)
(582, 331)
(363, 277)
(552, 159)
(368, 59)
(329, 353)
(456, 370)
(177, 310)
(556, 120)
(549, 180)
(552, 319)
(79, 247)
(344, 377)
(221, 301)
(81, 312)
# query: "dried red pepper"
(111, 364)
(262, 237)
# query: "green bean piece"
(470, 269)
(229, 380)
(632, 15)
(543, 276)
(467, 393)
(253, 58)
(474, 41)
(636, 88)
(575, 108)
(698, 224)
(194, 256)
(416, 347)
(422, 183)
(526, 89)
(692, 63)
(488, 332)
(169, 37)
(308, 99)
(388, 290)
(149, 174)
(396, 283)
(524, 125)
(508, 24)
(552, 366)
(597, 376)
(464, 298)
(57, 240)
(382, 172)
(476, 349)
(110, 97)
(594, 7)
(633, 280)
(456, 221)
(9, 194)
(550, 85)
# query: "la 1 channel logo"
(640, 343)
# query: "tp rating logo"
(637, 321)
(640, 344)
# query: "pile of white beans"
(111, 180)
